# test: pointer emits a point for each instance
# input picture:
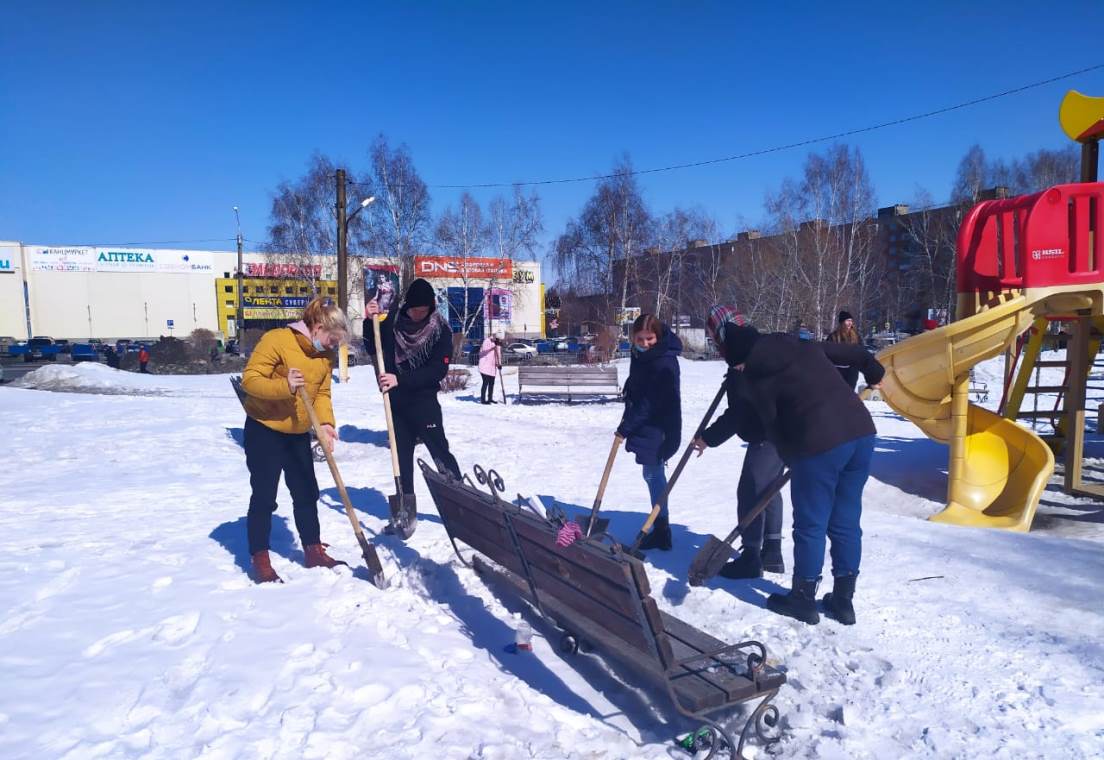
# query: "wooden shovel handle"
(617, 441)
(380, 366)
(305, 398)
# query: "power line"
(787, 146)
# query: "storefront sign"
(118, 260)
(6, 266)
(449, 267)
(524, 277)
(274, 307)
(288, 271)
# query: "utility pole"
(239, 320)
(342, 272)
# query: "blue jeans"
(655, 475)
(826, 490)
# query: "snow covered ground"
(129, 626)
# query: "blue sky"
(140, 122)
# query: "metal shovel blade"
(600, 524)
(709, 560)
(404, 515)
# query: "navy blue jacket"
(652, 423)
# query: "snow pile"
(130, 627)
(92, 377)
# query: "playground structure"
(1021, 262)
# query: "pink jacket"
(490, 357)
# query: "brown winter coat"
(840, 335)
(269, 401)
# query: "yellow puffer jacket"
(265, 381)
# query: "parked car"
(63, 344)
(233, 347)
(39, 347)
(6, 342)
(521, 351)
(83, 352)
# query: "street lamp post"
(343, 221)
(239, 320)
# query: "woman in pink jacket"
(490, 361)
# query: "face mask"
(318, 346)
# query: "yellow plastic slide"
(998, 469)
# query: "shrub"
(455, 380)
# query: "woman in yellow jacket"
(277, 428)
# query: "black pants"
(487, 394)
(142, 367)
(421, 420)
(267, 454)
(761, 466)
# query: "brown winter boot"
(262, 569)
(317, 557)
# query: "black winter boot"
(800, 603)
(837, 605)
(660, 537)
(747, 565)
(772, 556)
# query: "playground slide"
(998, 469)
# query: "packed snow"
(130, 627)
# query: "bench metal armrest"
(756, 661)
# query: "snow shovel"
(592, 522)
(712, 557)
(368, 551)
(404, 507)
(647, 527)
(502, 385)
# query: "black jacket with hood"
(417, 386)
(790, 393)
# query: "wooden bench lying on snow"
(569, 380)
(593, 591)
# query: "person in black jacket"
(826, 436)
(762, 539)
(652, 422)
(417, 346)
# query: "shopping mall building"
(81, 292)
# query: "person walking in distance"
(652, 422)
(143, 360)
(277, 437)
(490, 361)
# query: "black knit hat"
(738, 342)
(420, 293)
(844, 316)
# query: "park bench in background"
(568, 380)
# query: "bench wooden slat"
(605, 600)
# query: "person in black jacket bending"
(826, 436)
(417, 346)
(761, 540)
(652, 422)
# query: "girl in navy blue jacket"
(652, 423)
